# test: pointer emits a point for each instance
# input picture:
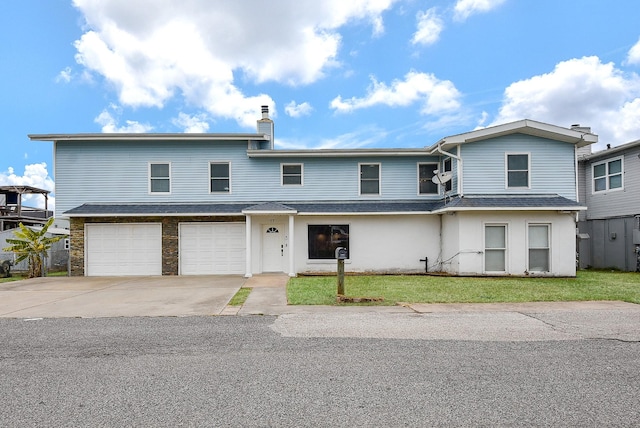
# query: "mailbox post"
(341, 255)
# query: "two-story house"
(497, 201)
(610, 228)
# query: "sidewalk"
(269, 297)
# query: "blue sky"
(336, 74)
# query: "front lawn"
(588, 285)
(19, 276)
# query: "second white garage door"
(123, 249)
(212, 248)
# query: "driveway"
(95, 297)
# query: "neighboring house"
(609, 229)
(13, 211)
(57, 256)
(185, 204)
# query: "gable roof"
(525, 126)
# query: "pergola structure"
(13, 212)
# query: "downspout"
(459, 159)
(576, 164)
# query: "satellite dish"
(441, 177)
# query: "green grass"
(20, 276)
(588, 285)
(240, 297)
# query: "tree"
(32, 245)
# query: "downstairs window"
(324, 239)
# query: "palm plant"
(32, 245)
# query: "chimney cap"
(265, 112)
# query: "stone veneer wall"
(170, 244)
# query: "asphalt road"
(265, 371)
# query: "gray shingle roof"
(509, 201)
(330, 207)
(269, 206)
(157, 209)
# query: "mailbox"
(341, 253)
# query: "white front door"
(273, 248)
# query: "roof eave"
(525, 126)
(336, 153)
(541, 208)
(159, 214)
(146, 136)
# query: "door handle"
(282, 250)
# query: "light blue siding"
(117, 172)
(552, 166)
(618, 202)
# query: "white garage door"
(212, 248)
(123, 249)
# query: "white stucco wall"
(383, 244)
(471, 241)
(395, 244)
(450, 244)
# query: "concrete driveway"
(95, 297)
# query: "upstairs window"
(291, 174)
(370, 179)
(425, 175)
(446, 167)
(517, 170)
(607, 175)
(159, 178)
(220, 178)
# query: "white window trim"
(548, 248)
(607, 175)
(506, 170)
(282, 165)
(436, 165)
(150, 178)
(506, 248)
(366, 195)
(444, 161)
(209, 174)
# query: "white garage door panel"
(124, 249)
(212, 248)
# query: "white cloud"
(633, 56)
(583, 91)
(110, 124)
(192, 124)
(430, 26)
(35, 175)
(436, 96)
(298, 110)
(64, 75)
(465, 8)
(154, 50)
